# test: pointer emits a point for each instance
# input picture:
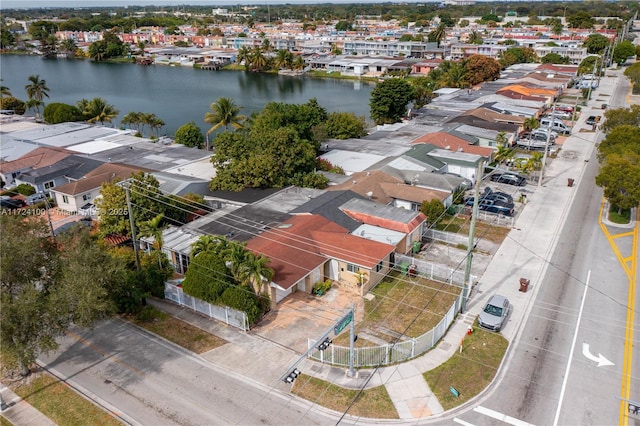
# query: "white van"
(556, 125)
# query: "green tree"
(556, 27)
(190, 135)
(530, 123)
(623, 139)
(581, 19)
(37, 89)
(596, 43)
(244, 57)
(554, 58)
(638, 52)
(479, 68)
(34, 104)
(503, 153)
(7, 39)
(623, 51)
(389, 100)
(439, 34)
(433, 210)
(146, 199)
(258, 59)
(517, 55)
(475, 38)
(620, 116)
(345, 125)
(215, 244)
(224, 112)
(153, 228)
(620, 178)
(455, 76)
(590, 65)
(284, 59)
(45, 290)
(343, 26)
(69, 47)
(257, 272)
(13, 104)
(133, 119)
(57, 112)
(5, 91)
(97, 110)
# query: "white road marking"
(462, 422)
(600, 359)
(573, 346)
(502, 417)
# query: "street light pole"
(471, 244)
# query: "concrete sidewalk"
(19, 412)
(525, 253)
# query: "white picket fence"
(228, 315)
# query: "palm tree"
(503, 153)
(153, 228)
(69, 47)
(235, 256)
(34, 104)
(257, 271)
(224, 112)
(456, 76)
(205, 244)
(266, 45)
(244, 55)
(133, 118)
(439, 34)
(37, 89)
(4, 90)
(258, 60)
(298, 63)
(475, 38)
(531, 123)
(97, 109)
(284, 59)
(141, 45)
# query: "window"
(65, 199)
(49, 185)
(379, 266)
(86, 197)
(352, 268)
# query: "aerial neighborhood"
(477, 115)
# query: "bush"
(57, 112)
(13, 104)
(243, 299)
(321, 287)
(25, 189)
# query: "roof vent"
(370, 194)
(353, 182)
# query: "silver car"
(495, 312)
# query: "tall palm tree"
(235, 256)
(503, 153)
(258, 60)
(141, 45)
(456, 76)
(284, 59)
(37, 89)
(298, 63)
(266, 45)
(475, 38)
(205, 244)
(440, 34)
(134, 119)
(224, 112)
(97, 109)
(244, 56)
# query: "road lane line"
(573, 346)
(462, 422)
(499, 416)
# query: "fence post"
(226, 315)
(210, 310)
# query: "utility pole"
(136, 249)
(352, 341)
(546, 145)
(471, 244)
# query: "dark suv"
(509, 178)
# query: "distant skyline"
(21, 4)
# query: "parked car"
(509, 178)
(490, 194)
(493, 206)
(593, 119)
(544, 131)
(36, 198)
(495, 312)
(11, 204)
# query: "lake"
(175, 94)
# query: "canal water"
(175, 94)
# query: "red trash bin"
(524, 285)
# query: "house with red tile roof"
(307, 249)
(451, 142)
(38, 158)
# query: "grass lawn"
(4, 422)
(399, 308)
(60, 403)
(468, 372)
(372, 403)
(175, 330)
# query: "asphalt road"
(575, 358)
(155, 383)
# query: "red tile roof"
(450, 142)
(40, 157)
(105, 173)
(308, 242)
